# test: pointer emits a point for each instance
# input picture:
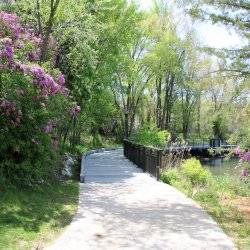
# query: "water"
(222, 166)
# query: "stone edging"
(84, 156)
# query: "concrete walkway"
(122, 208)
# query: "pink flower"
(20, 45)
(244, 172)
(8, 52)
(20, 91)
(237, 150)
(37, 71)
(10, 110)
(61, 80)
(246, 156)
(10, 22)
(55, 88)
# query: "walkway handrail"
(149, 159)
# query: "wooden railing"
(151, 160)
(147, 158)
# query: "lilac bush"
(34, 106)
(244, 161)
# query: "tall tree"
(235, 15)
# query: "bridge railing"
(201, 143)
(151, 160)
(209, 143)
(147, 158)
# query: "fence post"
(157, 173)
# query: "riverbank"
(225, 198)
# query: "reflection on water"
(222, 166)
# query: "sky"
(210, 35)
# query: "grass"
(220, 198)
(225, 198)
(32, 218)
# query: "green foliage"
(122, 65)
(170, 177)
(26, 156)
(234, 14)
(97, 140)
(150, 136)
(220, 127)
(194, 172)
(229, 185)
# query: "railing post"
(157, 173)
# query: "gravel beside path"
(122, 208)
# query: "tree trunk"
(126, 126)
(48, 29)
(199, 116)
(159, 106)
(39, 23)
(169, 102)
(167, 110)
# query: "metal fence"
(147, 158)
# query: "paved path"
(122, 208)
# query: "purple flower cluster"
(14, 58)
(61, 79)
(244, 157)
(15, 38)
(6, 50)
(40, 78)
(244, 172)
(44, 81)
(10, 24)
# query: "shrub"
(193, 170)
(34, 106)
(170, 176)
(150, 136)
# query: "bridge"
(200, 147)
(123, 208)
